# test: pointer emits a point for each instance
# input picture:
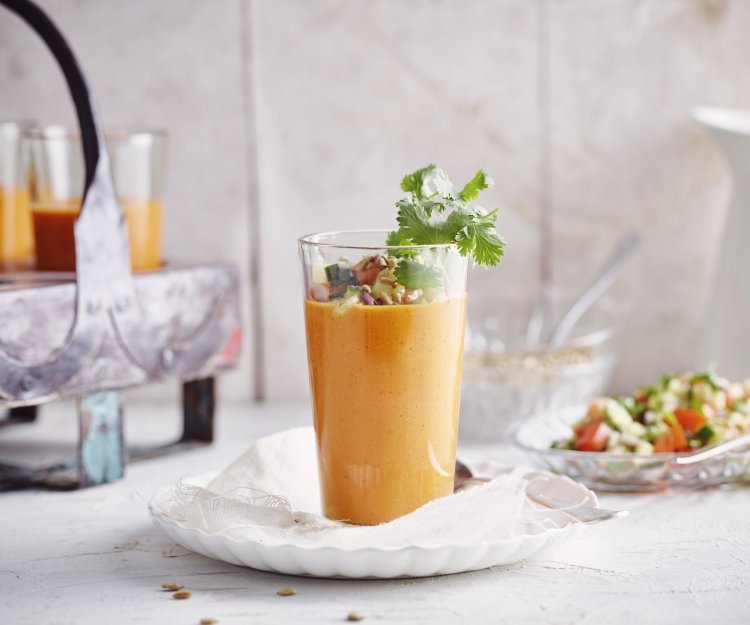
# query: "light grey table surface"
(93, 556)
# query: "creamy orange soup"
(16, 236)
(385, 383)
(53, 229)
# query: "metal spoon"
(464, 479)
(612, 268)
(714, 450)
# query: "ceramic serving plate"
(409, 561)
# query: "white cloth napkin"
(270, 494)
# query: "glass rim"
(116, 133)
(17, 124)
(312, 239)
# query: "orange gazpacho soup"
(385, 381)
(53, 230)
(16, 237)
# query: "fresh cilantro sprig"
(469, 226)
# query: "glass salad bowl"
(510, 377)
(624, 472)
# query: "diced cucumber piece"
(617, 416)
(703, 391)
(332, 272)
(636, 429)
(613, 440)
(706, 378)
(655, 431)
(719, 400)
(350, 299)
(705, 434)
(319, 275)
(644, 447)
(338, 274)
(678, 388)
(669, 401)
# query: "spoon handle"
(714, 450)
(579, 513)
(582, 514)
(625, 249)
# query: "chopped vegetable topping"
(407, 276)
(680, 413)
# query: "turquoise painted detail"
(102, 455)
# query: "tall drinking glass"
(57, 177)
(385, 331)
(16, 236)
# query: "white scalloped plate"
(410, 561)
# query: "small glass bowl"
(624, 472)
(508, 377)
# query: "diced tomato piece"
(679, 440)
(690, 419)
(664, 444)
(641, 396)
(592, 436)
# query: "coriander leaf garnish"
(468, 225)
(415, 275)
(479, 182)
(396, 238)
(427, 182)
(475, 234)
(414, 225)
(481, 242)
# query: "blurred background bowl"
(510, 377)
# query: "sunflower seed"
(286, 592)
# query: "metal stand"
(102, 455)
(101, 449)
(104, 327)
(198, 411)
(23, 414)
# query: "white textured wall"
(580, 110)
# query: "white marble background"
(292, 116)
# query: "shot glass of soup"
(385, 333)
(57, 179)
(16, 235)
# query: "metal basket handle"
(105, 290)
(102, 251)
(85, 109)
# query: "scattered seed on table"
(182, 594)
(354, 616)
(172, 586)
(286, 592)
(209, 621)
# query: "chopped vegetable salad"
(680, 413)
